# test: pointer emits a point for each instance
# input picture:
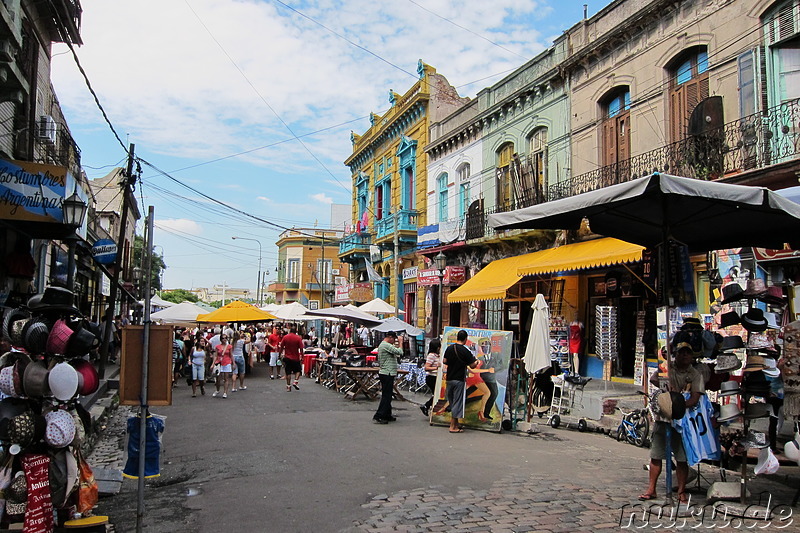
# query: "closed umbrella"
(537, 351)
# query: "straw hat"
(672, 405)
(727, 362)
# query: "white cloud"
(181, 225)
(322, 198)
(264, 199)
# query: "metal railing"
(355, 242)
(406, 221)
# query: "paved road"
(310, 460)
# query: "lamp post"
(74, 211)
(441, 262)
(258, 284)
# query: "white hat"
(792, 449)
(63, 381)
(767, 462)
(60, 429)
(728, 412)
(771, 367)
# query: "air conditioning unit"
(47, 129)
(335, 271)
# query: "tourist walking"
(199, 357)
(224, 358)
(432, 363)
(273, 343)
(239, 343)
(389, 352)
(291, 348)
(260, 344)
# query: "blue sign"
(104, 251)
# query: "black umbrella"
(703, 215)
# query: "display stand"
(606, 343)
(559, 343)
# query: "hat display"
(26, 429)
(727, 362)
(728, 319)
(89, 379)
(773, 296)
(756, 384)
(728, 412)
(60, 428)
(756, 410)
(81, 342)
(7, 382)
(755, 287)
(754, 362)
(17, 495)
(771, 367)
(767, 462)
(732, 342)
(10, 317)
(732, 292)
(691, 323)
(753, 320)
(59, 338)
(755, 439)
(36, 337)
(63, 381)
(772, 320)
(54, 299)
(760, 341)
(34, 380)
(17, 332)
(671, 405)
(729, 388)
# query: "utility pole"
(395, 273)
(127, 189)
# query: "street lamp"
(74, 211)
(441, 262)
(258, 284)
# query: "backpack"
(177, 352)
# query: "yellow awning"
(589, 254)
(493, 281)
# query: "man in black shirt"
(458, 358)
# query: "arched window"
(688, 74)
(616, 126)
(441, 186)
(503, 179)
(536, 177)
(463, 189)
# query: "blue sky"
(252, 102)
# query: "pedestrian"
(224, 359)
(457, 358)
(363, 335)
(312, 334)
(260, 344)
(215, 339)
(178, 357)
(389, 352)
(432, 363)
(199, 356)
(239, 343)
(291, 348)
(682, 378)
(273, 344)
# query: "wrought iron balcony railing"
(402, 220)
(355, 242)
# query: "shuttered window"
(616, 125)
(503, 175)
(688, 86)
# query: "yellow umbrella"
(236, 311)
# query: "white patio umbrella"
(271, 308)
(537, 352)
(395, 324)
(378, 306)
(292, 311)
(183, 313)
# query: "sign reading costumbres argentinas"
(31, 191)
(104, 251)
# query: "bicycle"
(634, 427)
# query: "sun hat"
(34, 380)
(9, 318)
(731, 342)
(731, 318)
(54, 300)
(88, 378)
(767, 462)
(671, 405)
(17, 495)
(728, 412)
(60, 429)
(729, 388)
(727, 362)
(732, 292)
(36, 335)
(771, 367)
(63, 381)
(756, 410)
(59, 338)
(755, 287)
(753, 363)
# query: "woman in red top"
(225, 360)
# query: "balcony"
(64, 22)
(281, 286)
(355, 243)
(406, 221)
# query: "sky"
(252, 103)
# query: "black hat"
(691, 324)
(732, 292)
(81, 342)
(54, 299)
(730, 318)
(732, 342)
(753, 320)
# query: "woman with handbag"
(225, 360)
(199, 354)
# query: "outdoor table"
(366, 382)
(308, 363)
(320, 368)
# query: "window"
(441, 183)
(324, 267)
(503, 182)
(747, 84)
(536, 179)
(293, 275)
(787, 60)
(463, 190)
(688, 87)
(615, 126)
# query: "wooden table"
(366, 382)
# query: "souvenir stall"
(46, 481)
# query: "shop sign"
(410, 273)
(105, 286)
(765, 254)
(31, 191)
(428, 277)
(342, 292)
(455, 275)
(361, 292)
(104, 251)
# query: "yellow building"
(389, 177)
